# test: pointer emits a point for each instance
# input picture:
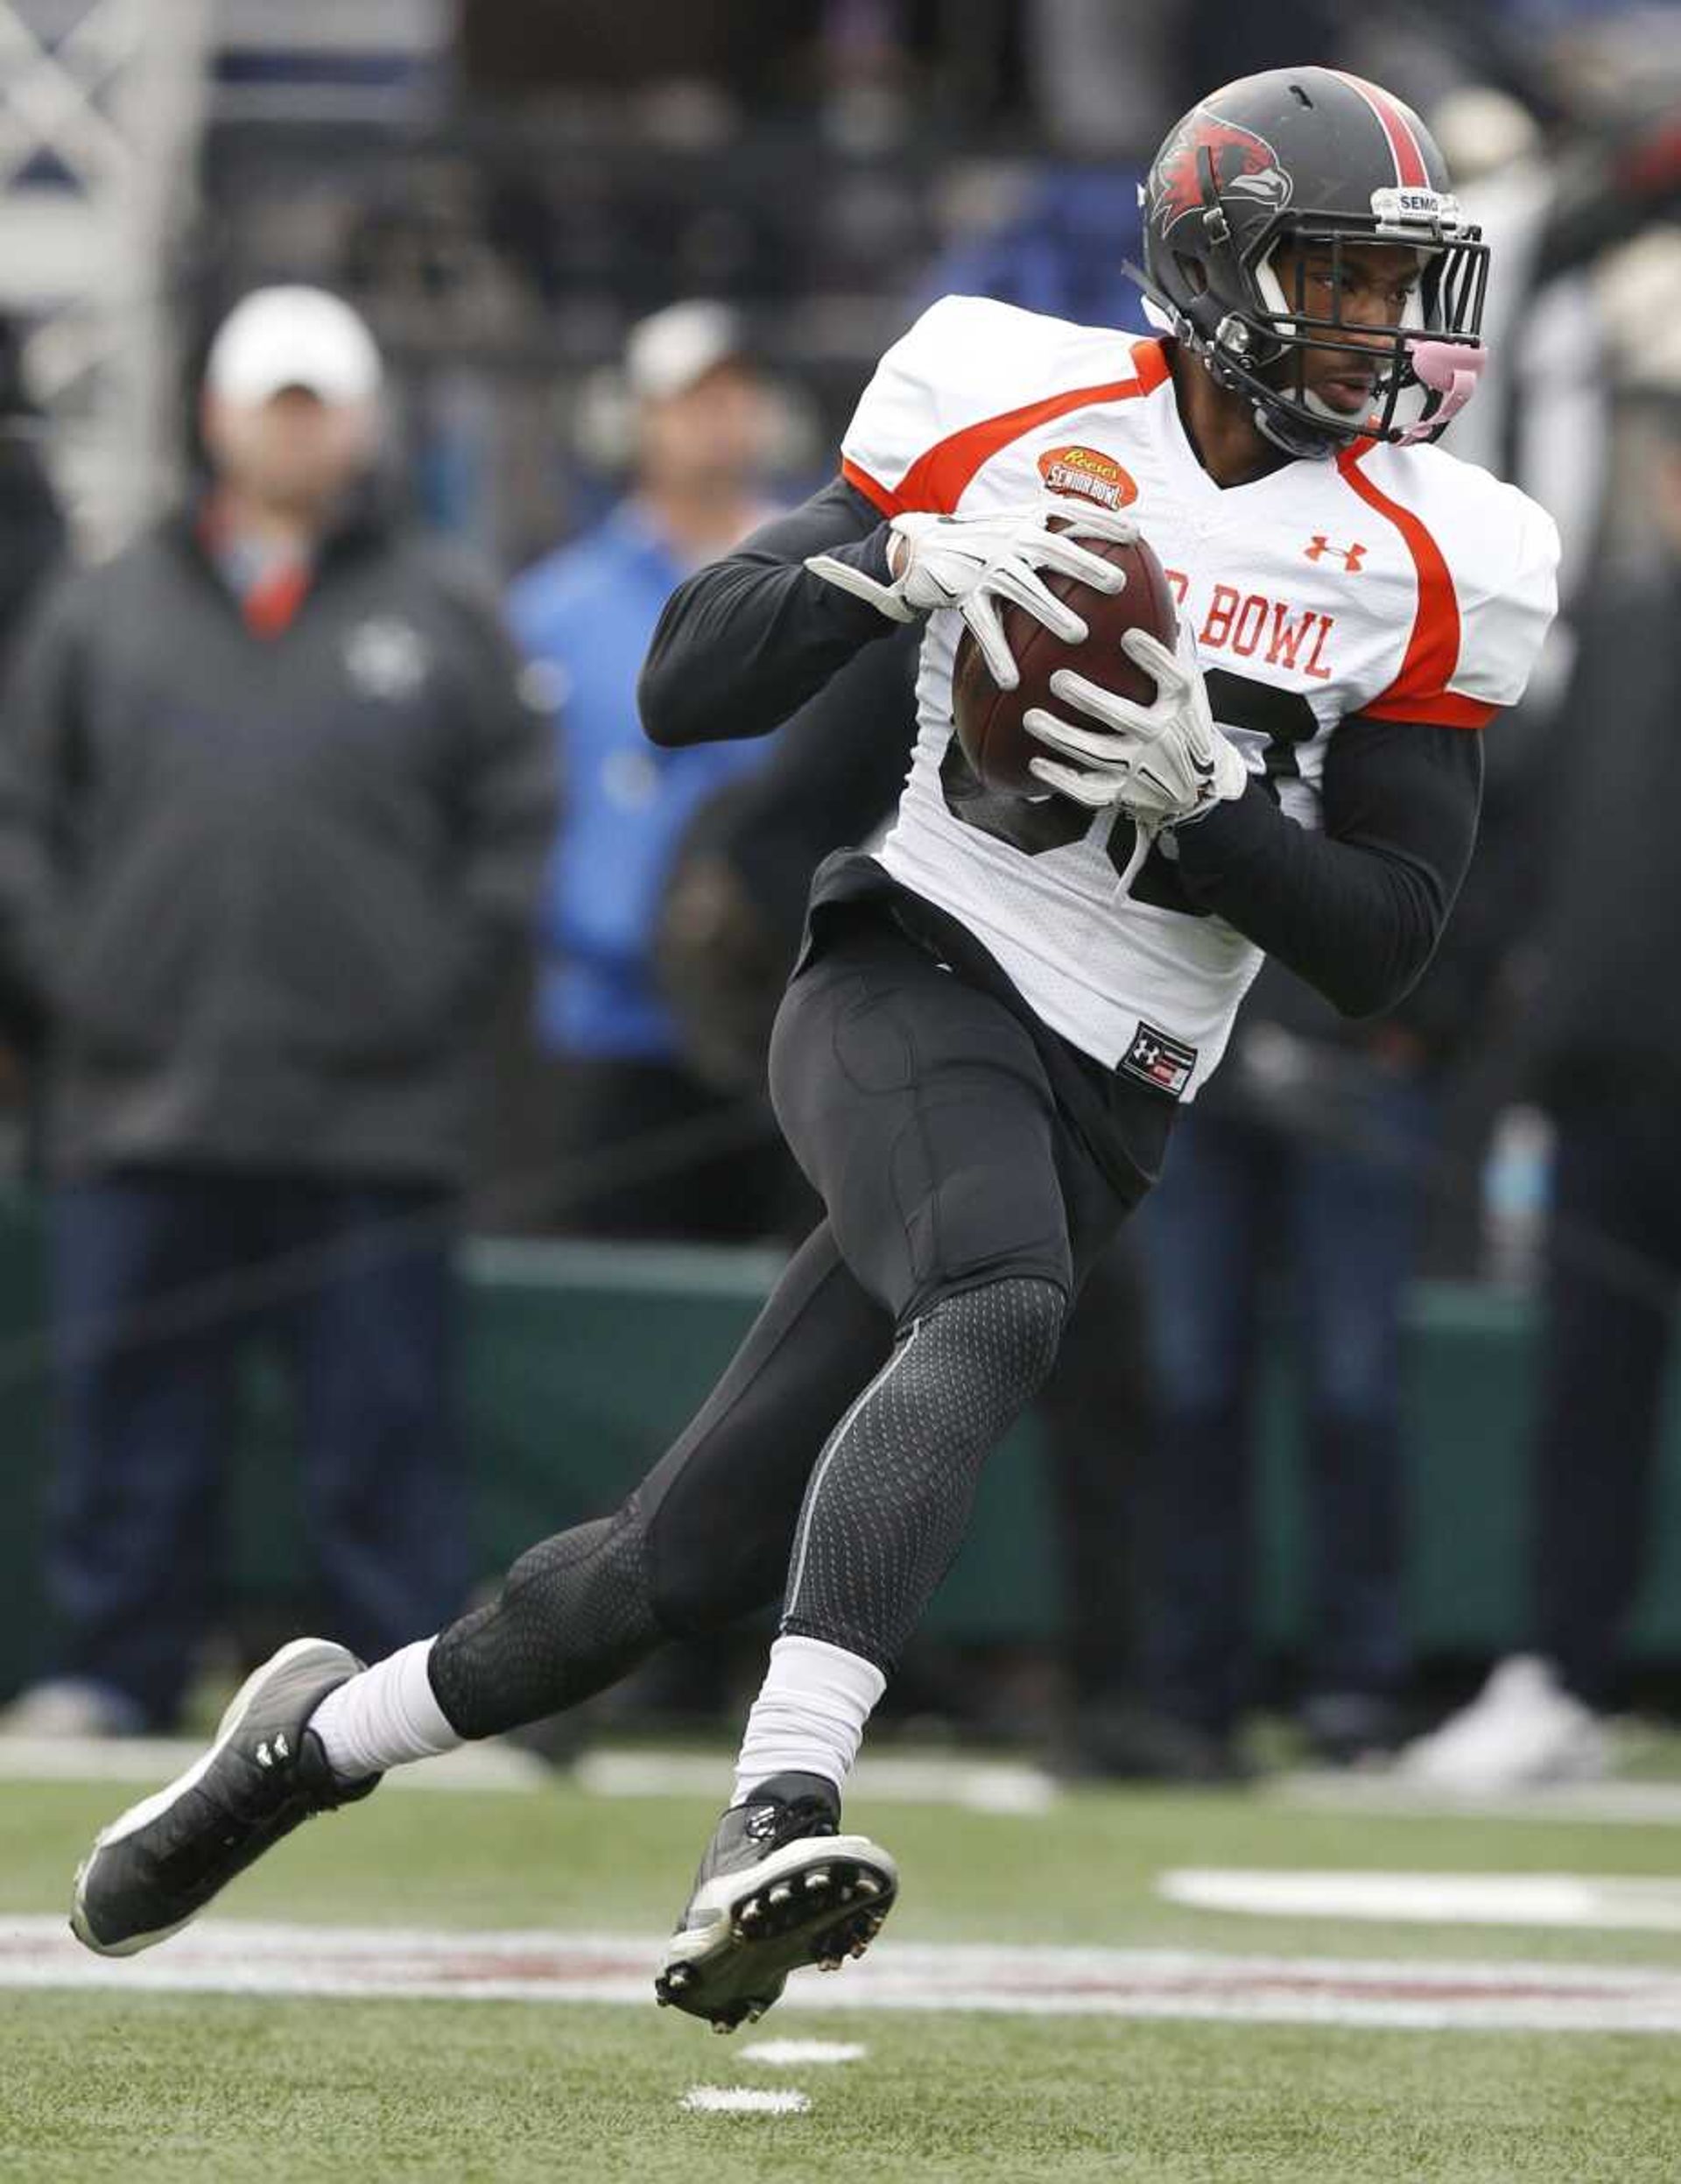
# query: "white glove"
(973, 562)
(1164, 763)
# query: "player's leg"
(703, 1539)
(920, 1109)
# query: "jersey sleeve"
(967, 376)
(1486, 563)
(1507, 599)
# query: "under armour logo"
(272, 1749)
(1352, 556)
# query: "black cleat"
(159, 1864)
(779, 1887)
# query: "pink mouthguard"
(1450, 369)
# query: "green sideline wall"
(583, 1359)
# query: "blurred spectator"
(1300, 1166)
(734, 902)
(690, 1165)
(1538, 1716)
(33, 541)
(1051, 237)
(1607, 1041)
(1555, 211)
(272, 815)
(32, 537)
(1105, 79)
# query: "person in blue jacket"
(640, 1145)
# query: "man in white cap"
(585, 614)
(272, 819)
(289, 420)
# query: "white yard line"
(797, 2054)
(235, 1956)
(1483, 1900)
(1629, 1804)
(744, 2100)
(980, 1786)
(157, 1760)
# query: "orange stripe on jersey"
(1419, 690)
(872, 489)
(936, 480)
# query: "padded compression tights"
(707, 1536)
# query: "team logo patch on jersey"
(1245, 166)
(1088, 473)
(1154, 1058)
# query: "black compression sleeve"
(1356, 911)
(745, 641)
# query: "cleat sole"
(737, 1955)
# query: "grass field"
(104, 2085)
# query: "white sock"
(384, 1716)
(810, 1714)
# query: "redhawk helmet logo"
(1245, 166)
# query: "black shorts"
(954, 1138)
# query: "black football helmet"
(1312, 156)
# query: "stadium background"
(504, 187)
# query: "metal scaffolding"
(102, 107)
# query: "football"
(989, 720)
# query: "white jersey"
(1398, 583)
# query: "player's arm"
(1358, 910)
(744, 641)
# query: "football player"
(996, 1016)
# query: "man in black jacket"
(272, 817)
(1606, 1033)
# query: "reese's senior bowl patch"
(1089, 474)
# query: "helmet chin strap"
(1296, 436)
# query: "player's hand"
(1165, 763)
(979, 563)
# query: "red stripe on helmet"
(1409, 169)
